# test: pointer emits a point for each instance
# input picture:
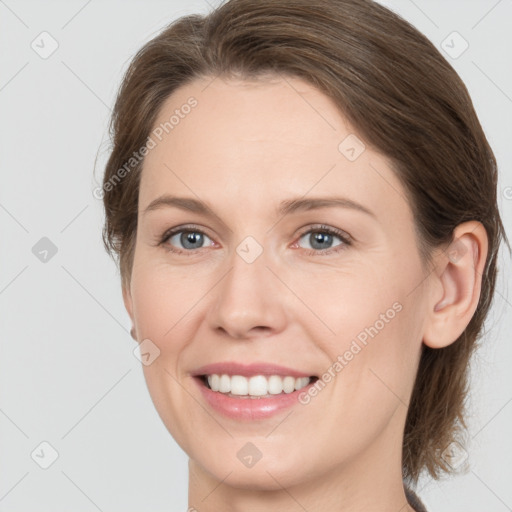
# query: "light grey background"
(67, 372)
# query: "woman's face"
(253, 174)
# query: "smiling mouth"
(256, 386)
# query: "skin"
(243, 149)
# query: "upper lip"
(248, 370)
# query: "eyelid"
(162, 239)
(330, 229)
(347, 239)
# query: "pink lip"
(249, 409)
(248, 370)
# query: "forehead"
(261, 141)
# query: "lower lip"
(249, 408)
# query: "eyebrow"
(285, 207)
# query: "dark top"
(414, 501)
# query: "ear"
(457, 282)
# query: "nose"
(249, 301)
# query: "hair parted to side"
(404, 100)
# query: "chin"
(274, 473)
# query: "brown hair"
(404, 100)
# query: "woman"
(306, 224)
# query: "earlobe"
(456, 285)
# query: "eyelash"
(346, 239)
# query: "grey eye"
(317, 239)
(189, 239)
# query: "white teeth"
(214, 382)
(225, 384)
(275, 385)
(239, 385)
(258, 385)
(289, 384)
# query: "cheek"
(375, 324)
(350, 304)
(163, 307)
(163, 301)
